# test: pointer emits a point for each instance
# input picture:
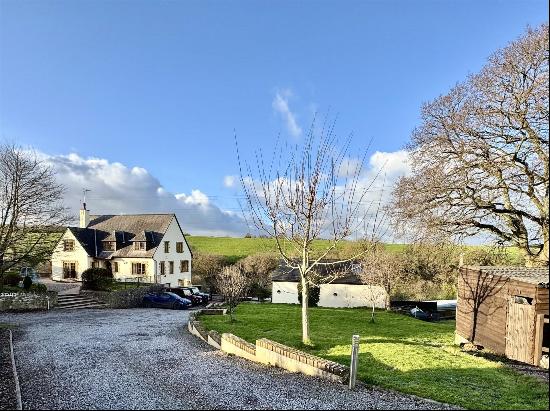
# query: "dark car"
(166, 300)
(196, 291)
(187, 294)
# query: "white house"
(150, 247)
(346, 290)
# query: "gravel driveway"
(146, 359)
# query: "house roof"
(532, 275)
(126, 229)
(339, 273)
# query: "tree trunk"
(474, 324)
(305, 319)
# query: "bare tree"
(206, 266)
(305, 193)
(381, 270)
(258, 268)
(31, 208)
(480, 157)
(232, 283)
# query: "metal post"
(354, 357)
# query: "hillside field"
(236, 248)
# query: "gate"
(520, 332)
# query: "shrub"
(314, 293)
(12, 279)
(261, 293)
(39, 288)
(258, 268)
(96, 279)
(27, 282)
(206, 267)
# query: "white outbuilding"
(345, 290)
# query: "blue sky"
(160, 85)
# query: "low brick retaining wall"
(232, 344)
(270, 353)
(130, 298)
(27, 301)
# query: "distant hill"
(236, 248)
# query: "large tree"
(308, 192)
(31, 209)
(480, 157)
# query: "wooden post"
(354, 358)
(539, 327)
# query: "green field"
(236, 248)
(396, 352)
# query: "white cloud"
(391, 164)
(229, 181)
(349, 167)
(118, 189)
(280, 105)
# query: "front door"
(69, 269)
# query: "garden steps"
(77, 301)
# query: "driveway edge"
(15, 376)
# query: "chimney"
(84, 216)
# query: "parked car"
(196, 291)
(31, 272)
(166, 300)
(188, 294)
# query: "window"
(140, 245)
(179, 247)
(115, 267)
(69, 269)
(171, 267)
(68, 245)
(96, 264)
(138, 268)
(109, 245)
(162, 269)
(184, 266)
(167, 246)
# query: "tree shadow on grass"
(469, 387)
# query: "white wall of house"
(173, 235)
(125, 269)
(333, 295)
(284, 293)
(79, 256)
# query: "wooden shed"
(504, 309)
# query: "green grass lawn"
(396, 352)
(236, 248)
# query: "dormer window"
(140, 245)
(109, 245)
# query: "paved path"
(146, 359)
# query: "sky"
(140, 101)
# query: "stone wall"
(130, 298)
(27, 301)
